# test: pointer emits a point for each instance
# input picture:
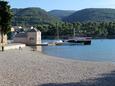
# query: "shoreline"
(31, 68)
(73, 59)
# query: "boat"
(80, 40)
(59, 42)
(44, 44)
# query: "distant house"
(30, 37)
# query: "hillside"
(61, 13)
(32, 16)
(92, 14)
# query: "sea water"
(99, 50)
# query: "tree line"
(90, 29)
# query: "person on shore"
(20, 48)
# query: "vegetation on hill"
(92, 15)
(32, 16)
(61, 13)
(66, 30)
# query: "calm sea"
(99, 50)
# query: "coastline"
(31, 68)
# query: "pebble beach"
(32, 68)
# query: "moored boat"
(59, 42)
(80, 40)
(44, 44)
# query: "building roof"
(24, 34)
(33, 30)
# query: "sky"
(62, 4)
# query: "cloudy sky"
(63, 4)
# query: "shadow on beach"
(104, 80)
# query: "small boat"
(80, 40)
(44, 44)
(59, 42)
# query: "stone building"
(30, 37)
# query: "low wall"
(20, 40)
(14, 46)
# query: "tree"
(5, 20)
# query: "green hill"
(32, 16)
(61, 13)
(92, 15)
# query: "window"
(31, 39)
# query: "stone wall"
(33, 38)
(20, 40)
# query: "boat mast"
(73, 32)
(57, 29)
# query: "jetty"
(80, 40)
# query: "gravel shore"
(31, 68)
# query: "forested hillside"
(66, 30)
(92, 15)
(32, 16)
(61, 13)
